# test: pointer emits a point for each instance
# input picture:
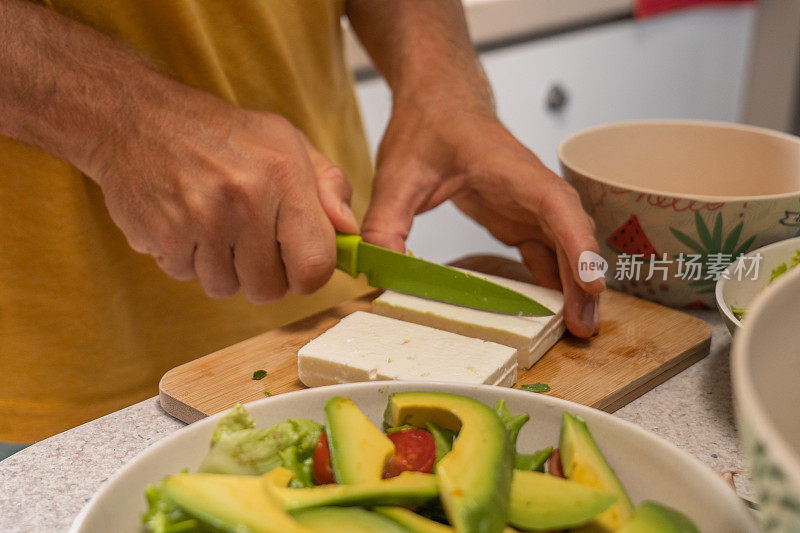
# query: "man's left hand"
(437, 150)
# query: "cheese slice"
(368, 347)
(531, 336)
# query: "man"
(221, 138)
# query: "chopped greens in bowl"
(774, 274)
(747, 277)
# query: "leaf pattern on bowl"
(778, 499)
(710, 242)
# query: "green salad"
(440, 463)
(776, 272)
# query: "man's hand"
(435, 151)
(445, 142)
(233, 197)
(236, 198)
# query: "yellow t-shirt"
(88, 326)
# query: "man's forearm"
(421, 47)
(67, 88)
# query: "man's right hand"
(236, 198)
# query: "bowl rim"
(722, 305)
(743, 387)
(674, 122)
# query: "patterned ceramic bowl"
(676, 201)
(765, 363)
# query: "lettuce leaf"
(533, 461)
(250, 451)
(513, 423)
(164, 517)
(442, 437)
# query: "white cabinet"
(691, 64)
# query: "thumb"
(396, 198)
(334, 191)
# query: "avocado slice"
(411, 521)
(415, 523)
(346, 520)
(229, 503)
(474, 478)
(652, 517)
(359, 450)
(409, 488)
(544, 502)
(583, 462)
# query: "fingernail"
(347, 213)
(590, 312)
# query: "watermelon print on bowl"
(675, 202)
(631, 239)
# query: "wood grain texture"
(641, 344)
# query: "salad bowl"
(650, 468)
(737, 288)
(765, 365)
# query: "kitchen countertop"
(43, 487)
(496, 21)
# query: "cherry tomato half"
(321, 466)
(414, 449)
(554, 467)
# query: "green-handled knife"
(386, 269)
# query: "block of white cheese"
(531, 336)
(368, 347)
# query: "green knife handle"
(347, 253)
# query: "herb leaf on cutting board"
(536, 387)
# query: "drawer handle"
(557, 98)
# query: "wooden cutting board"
(641, 344)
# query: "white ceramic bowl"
(738, 289)
(713, 190)
(765, 364)
(649, 467)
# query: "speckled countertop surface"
(44, 487)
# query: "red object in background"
(321, 465)
(414, 449)
(646, 8)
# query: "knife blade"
(386, 269)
